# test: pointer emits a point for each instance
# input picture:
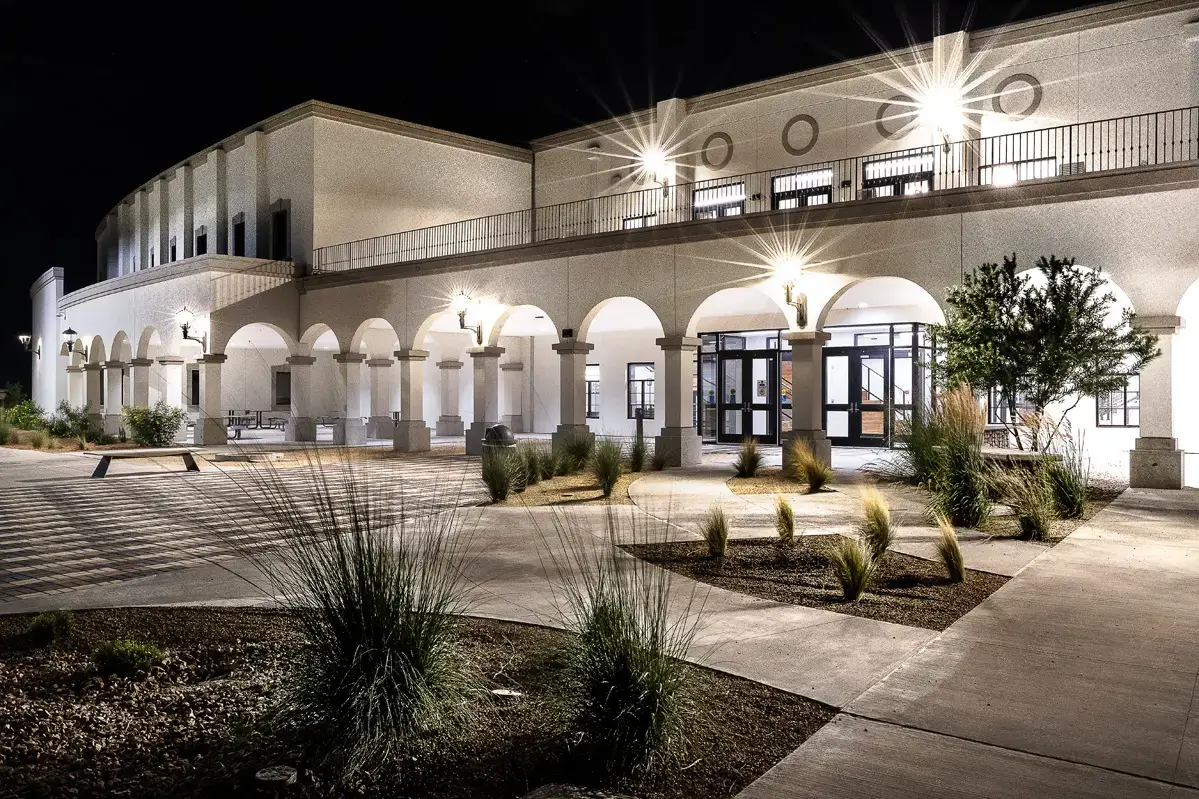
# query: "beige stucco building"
(758, 261)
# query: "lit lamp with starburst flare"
(788, 269)
(461, 306)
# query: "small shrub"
(12, 436)
(659, 461)
(876, 528)
(155, 426)
(50, 627)
(638, 452)
(715, 530)
(74, 423)
(1030, 496)
(125, 658)
(853, 566)
(26, 415)
(784, 521)
(606, 465)
(805, 467)
(950, 551)
(37, 439)
(576, 453)
(749, 458)
(1069, 478)
(500, 473)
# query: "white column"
(512, 376)
(93, 397)
(349, 429)
(139, 369)
(411, 433)
(301, 426)
(807, 393)
(678, 442)
(172, 390)
(220, 237)
(487, 396)
(211, 427)
(573, 387)
(189, 211)
(76, 395)
(114, 372)
(1157, 462)
(449, 423)
(380, 424)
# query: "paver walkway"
(1077, 678)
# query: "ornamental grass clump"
(949, 550)
(1028, 492)
(876, 528)
(1069, 476)
(961, 488)
(853, 566)
(631, 697)
(606, 465)
(805, 467)
(5, 430)
(125, 658)
(749, 458)
(547, 463)
(784, 521)
(50, 627)
(715, 530)
(659, 461)
(638, 451)
(500, 469)
(531, 461)
(576, 453)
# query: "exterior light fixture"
(941, 109)
(658, 167)
(73, 344)
(461, 305)
(788, 270)
(187, 320)
(25, 338)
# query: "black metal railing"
(1164, 137)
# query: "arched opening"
(622, 372)
(1186, 382)
(876, 373)
(256, 382)
(744, 367)
(379, 387)
(149, 348)
(446, 374)
(529, 373)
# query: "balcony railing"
(1165, 137)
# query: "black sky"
(99, 97)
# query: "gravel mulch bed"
(769, 480)
(194, 727)
(1101, 495)
(571, 489)
(907, 590)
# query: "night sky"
(99, 97)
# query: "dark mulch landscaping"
(907, 590)
(188, 728)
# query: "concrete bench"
(109, 456)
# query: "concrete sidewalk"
(1077, 678)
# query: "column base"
(822, 448)
(679, 446)
(111, 424)
(299, 428)
(567, 433)
(1156, 463)
(515, 422)
(380, 427)
(349, 432)
(411, 435)
(450, 426)
(475, 435)
(210, 433)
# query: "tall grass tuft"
(1069, 477)
(784, 521)
(5, 429)
(37, 439)
(853, 566)
(631, 696)
(638, 452)
(500, 469)
(606, 465)
(961, 487)
(576, 452)
(1028, 492)
(876, 528)
(547, 462)
(715, 530)
(659, 461)
(918, 461)
(805, 467)
(950, 551)
(531, 460)
(749, 458)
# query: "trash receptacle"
(498, 437)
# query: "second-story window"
(173, 252)
(635, 222)
(799, 189)
(202, 240)
(593, 391)
(896, 175)
(641, 390)
(717, 201)
(239, 235)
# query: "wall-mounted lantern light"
(73, 344)
(187, 321)
(25, 339)
(461, 306)
(788, 270)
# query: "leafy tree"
(14, 394)
(1043, 343)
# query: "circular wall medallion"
(885, 115)
(813, 135)
(1034, 102)
(728, 150)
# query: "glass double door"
(856, 381)
(747, 404)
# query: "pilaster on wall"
(164, 220)
(141, 221)
(189, 210)
(258, 228)
(218, 163)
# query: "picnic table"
(108, 456)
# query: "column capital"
(169, 360)
(71, 370)
(678, 343)
(512, 366)
(379, 362)
(349, 357)
(572, 347)
(113, 364)
(142, 362)
(213, 357)
(1160, 325)
(486, 352)
(807, 337)
(411, 355)
(449, 364)
(91, 367)
(300, 360)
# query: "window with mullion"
(1120, 408)
(641, 390)
(593, 390)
